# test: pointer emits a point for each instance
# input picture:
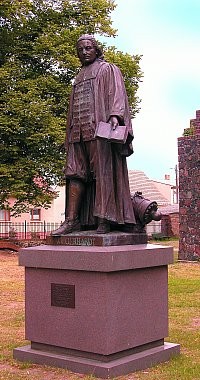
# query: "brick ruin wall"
(189, 191)
(170, 225)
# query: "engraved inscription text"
(63, 295)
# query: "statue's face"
(86, 52)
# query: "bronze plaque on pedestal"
(63, 295)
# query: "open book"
(119, 135)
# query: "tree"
(129, 66)
(37, 65)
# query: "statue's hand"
(113, 122)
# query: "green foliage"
(129, 66)
(189, 131)
(37, 64)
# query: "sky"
(167, 35)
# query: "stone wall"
(170, 225)
(189, 191)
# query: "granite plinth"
(90, 238)
(96, 259)
(100, 310)
(85, 365)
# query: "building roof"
(170, 209)
(139, 181)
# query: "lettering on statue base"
(63, 295)
(91, 239)
(82, 241)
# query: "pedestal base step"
(117, 367)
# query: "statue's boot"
(103, 227)
(72, 223)
(67, 226)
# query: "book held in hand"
(105, 131)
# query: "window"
(4, 215)
(35, 214)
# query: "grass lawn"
(184, 326)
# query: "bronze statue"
(96, 170)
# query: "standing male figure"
(96, 170)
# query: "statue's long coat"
(109, 195)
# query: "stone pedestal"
(99, 310)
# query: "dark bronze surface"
(63, 295)
(97, 185)
(90, 238)
(96, 170)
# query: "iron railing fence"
(26, 230)
(40, 230)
